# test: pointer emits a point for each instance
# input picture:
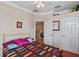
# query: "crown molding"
(26, 10)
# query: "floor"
(69, 54)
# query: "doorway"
(40, 32)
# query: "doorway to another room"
(40, 32)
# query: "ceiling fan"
(39, 4)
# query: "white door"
(70, 34)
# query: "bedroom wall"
(47, 19)
(8, 18)
(58, 38)
(48, 32)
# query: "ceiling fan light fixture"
(39, 4)
(42, 5)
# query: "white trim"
(26, 10)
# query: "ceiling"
(49, 5)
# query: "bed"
(31, 49)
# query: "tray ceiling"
(49, 5)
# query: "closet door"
(70, 33)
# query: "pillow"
(21, 42)
(18, 41)
(26, 39)
(11, 46)
(7, 43)
(30, 39)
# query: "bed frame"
(8, 37)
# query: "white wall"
(49, 37)
(47, 27)
(8, 18)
